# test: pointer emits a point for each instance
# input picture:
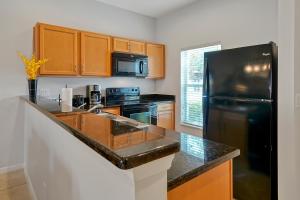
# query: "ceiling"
(151, 8)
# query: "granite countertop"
(196, 156)
(144, 98)
(127, 146)
(122, 144)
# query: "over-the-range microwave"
(132, 65)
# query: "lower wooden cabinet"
(71, 120)
(166, 115)
(96, 127)
(215, 184)
(114, 110)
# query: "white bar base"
(61, 167)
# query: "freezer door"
(247, 126)
(243, 73)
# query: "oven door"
(141, 113)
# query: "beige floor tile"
(16, 193)
(12, 179)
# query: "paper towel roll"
(66, 96)
(66, 108)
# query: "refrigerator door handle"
(244, 99)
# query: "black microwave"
(129, 65)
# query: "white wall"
(287, 166)
(232, 22)
(297, 89)
(289, 115)
(17, 18)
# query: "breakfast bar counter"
(135, 146)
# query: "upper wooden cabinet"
(60, 46)
(72, 52)
(120, 44)
(95, 54)
(128, 46)
(137, 47)
(156, 60)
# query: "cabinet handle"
(128, 46)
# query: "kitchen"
(170, 30)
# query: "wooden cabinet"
(166, 115)
(137, 47)
(113, 110)
(215, 184)
(60, 46)
(121, 45)
(128, 46)
(95, 54)
(120, 141)
(96, 127)
(156, 60)
(71, 120)
(73, 52)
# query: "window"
(192, 70)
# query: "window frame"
(183, 123)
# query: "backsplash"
(51, 87)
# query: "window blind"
(192, 71)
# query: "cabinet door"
(120, 141)
(95, 54)
(96, 128)
(60, 46)
(137, 47)
(115, 111)
(165, 119)
(156, 60)
(121, 45)
(71, 120)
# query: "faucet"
(81, 106)
(95, 107)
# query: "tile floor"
(13, 186)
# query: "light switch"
(298, 100)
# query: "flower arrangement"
(31, 65)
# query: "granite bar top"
(125, 145)
(196, 156)
(128, 146)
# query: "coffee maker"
(94, 94)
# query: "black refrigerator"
(240, 109)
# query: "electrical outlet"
(43, 92)
(298, 100)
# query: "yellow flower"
(31, 65)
